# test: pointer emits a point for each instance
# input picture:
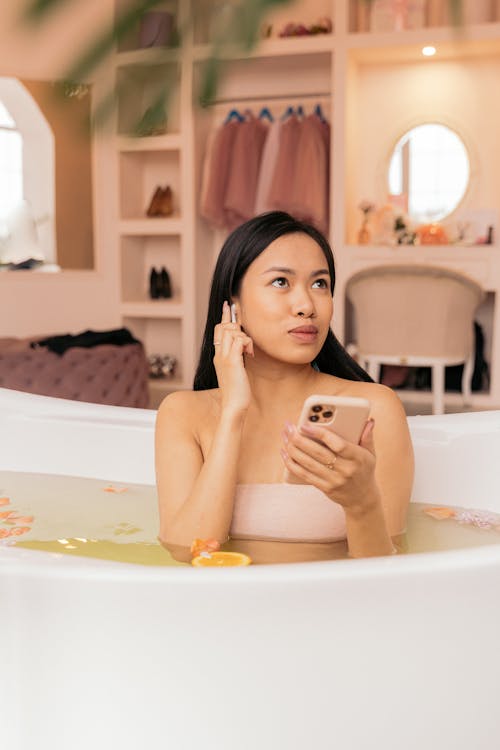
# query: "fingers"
(226, 313)
(293, 439)
(311, 456)
(367, 437)
(233, 341)
(325, 483)
(227, 332)
(320, 458)
(332, 441)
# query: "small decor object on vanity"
(162, 202)
(161, 365)
(364, 233)
(432, 234)
(159, 284)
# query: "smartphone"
(344, 415)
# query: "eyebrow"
(291, 272)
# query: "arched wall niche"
(39, 165)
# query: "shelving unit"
(332, 67)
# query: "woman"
(221, 450)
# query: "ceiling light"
(428, 51)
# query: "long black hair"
(240, 249)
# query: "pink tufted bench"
(103, 374)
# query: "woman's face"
(285, 304)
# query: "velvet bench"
(103, 374)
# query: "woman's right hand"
(230, 344)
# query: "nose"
(302, 303)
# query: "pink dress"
(287, 512)
(243, 176)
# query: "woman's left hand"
(343, 471)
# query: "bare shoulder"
(186, 407)
(384, 400)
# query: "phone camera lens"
(328, 414)
(313, 418)
(317, 408)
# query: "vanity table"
(480, 262)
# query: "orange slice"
(220, 559)
(4, 500)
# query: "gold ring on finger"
(331, 463)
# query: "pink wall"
(69, 301)
(391, 99)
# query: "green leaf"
(38, 9)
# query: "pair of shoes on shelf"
(162, 202)
(159, 284)
(161, 365)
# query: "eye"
(280, 282)
(323, 283)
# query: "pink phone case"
(344, 415)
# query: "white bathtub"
(357, 655)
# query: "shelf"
(451, 398)
(155, 308)
(168, 142)
(148, 56)
(150, 226)
(304, 45)
(470, 251)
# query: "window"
(11, 164)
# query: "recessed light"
(428, 51)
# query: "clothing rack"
(268, 98)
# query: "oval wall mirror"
(429, 172)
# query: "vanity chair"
(416, 315)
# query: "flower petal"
(440, 513)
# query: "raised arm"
(196, 492)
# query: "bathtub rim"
(27, 563)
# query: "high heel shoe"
(166, 202)
(165, 285)
(155, 203)
(154, 284)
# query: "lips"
(304, 329)
(306, 334)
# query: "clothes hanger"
(234, 115)
(288, 113)
(319, 112)
(264, 112)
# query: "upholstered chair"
(416, 315)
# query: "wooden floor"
(414, 409)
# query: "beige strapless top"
(291, 512)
